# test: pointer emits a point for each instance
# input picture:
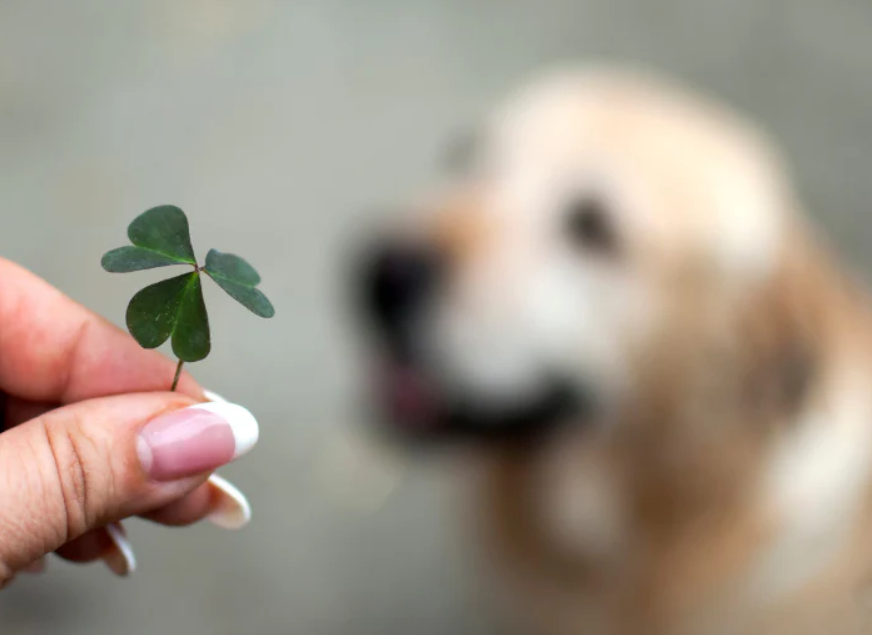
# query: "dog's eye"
(589, 225)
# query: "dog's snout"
(398, 282)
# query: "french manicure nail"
(120, 558)
(196, 439)
(231, 509)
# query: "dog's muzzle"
(396, 285)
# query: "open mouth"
(397, 285)
(414, 407)
(407, 399)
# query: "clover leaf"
(160, 237)
(239, 280)
(174, 309)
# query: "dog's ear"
(783, 357)
(785, 379)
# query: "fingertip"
(231, 509)
(119, 558)
(241, 421)
(189, 386)
(213, 396)
(36, 567)
(217, 500)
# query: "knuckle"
(74, 481)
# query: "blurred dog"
(665, 373)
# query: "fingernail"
(196, 439)
(213, 396)
(37, 566)
(231, 509)
(119, 558)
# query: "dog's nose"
(398, 282)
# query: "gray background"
(298, 120)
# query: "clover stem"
(178, 375)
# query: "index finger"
(56, 351)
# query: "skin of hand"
(91, 435)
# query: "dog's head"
(619, 281)
(594, 210)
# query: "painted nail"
(196, 439)
(119, 558)
(213, 396)
(37, 566)
(230, 508)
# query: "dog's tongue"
(408, 397)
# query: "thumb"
(82, 466)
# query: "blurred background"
(281, 128)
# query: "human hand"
(90, 439)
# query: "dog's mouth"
(406, 398)
(412, 405)
(397, 286)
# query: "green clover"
(174, 308)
